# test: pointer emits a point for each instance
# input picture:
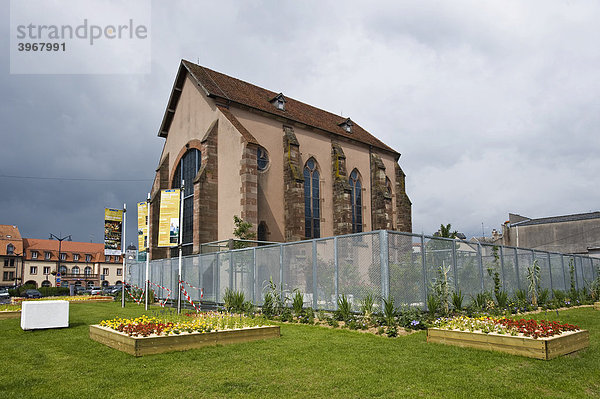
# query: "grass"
(307, 361)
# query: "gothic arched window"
(356, 201)
(312, 205)
(186, 171)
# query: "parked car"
(96, 291)
(79, 290)
(32, 294)
(4, 295)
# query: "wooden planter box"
(596, 305)
(10, 314)
(139, 346)
(541, 348)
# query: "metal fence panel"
(405, 269)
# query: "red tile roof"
(236, 91)
(10, 234)
(68, 247)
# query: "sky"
(494, 106)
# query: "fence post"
(254, 275)
(281, 270)
(562, 262)
(218, 279)
(550, 271)
(424, 267)
(480, 261)
(517, 268)
(314, 267)
(454, 265)
(384, 263)
(336, 272)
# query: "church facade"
(292, 170)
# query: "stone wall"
(381, 199)
(249, 189)
(403, 204)
(206, 193)
(342, 207)
(293, 185)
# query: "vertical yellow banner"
(113, 228)
(142, 209)
(168, 224)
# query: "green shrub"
(366, 305)
(54, 291)
(433, 304)
(297, 302)
(344, 310)
(457, 300)
(501, 299)
(389, 311)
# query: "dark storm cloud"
(494, 106)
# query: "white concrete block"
(44, 314)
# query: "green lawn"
(305, 362)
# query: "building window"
(34, 254)
(75, 270)
(119, 272)
(8, 276)
(262, 159)
(46, 283)
(9, 262)
(75, 257)
(312, 205)
(63, 256)
(62, 270)
(347, 125)
(33, 270)
(10, 249)
(356, 201)
(117, 258)
(88, 257)
(47, 255)
(46, 270)
(87, 271)
(107, 258)
(279, 102)
(186, 171)
(105, 271)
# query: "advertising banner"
(168, 225)
(142, 209)
(113, 229)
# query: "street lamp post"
(60, 240)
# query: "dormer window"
(347, 125)
(279, 102)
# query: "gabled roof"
(559, 219)
(234, 91)
(9, 232)
(67, 247)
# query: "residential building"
(79, 264)
(11, 251)
(292, 170)
(569, 234)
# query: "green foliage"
(20, 290)
(446, 231)
(457, 300)
(533, 279)
(501, 299)
(433, 304)
(595, 287)
(274, 301)
(242, 231)
(441, 288)
(235, 301)
(412, 318)
(521, 297)
(297, 302)
(367, 304)
(543, 296)
(344, 309)
(307, 316)
(573, 291)
(389, 311)
(482, 300)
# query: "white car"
(95, 291)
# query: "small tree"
(242, 231)
(533, 276)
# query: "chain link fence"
(381, 264)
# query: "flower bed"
(10, 311)
(77, 298)
(540, 340)
(151, 335)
